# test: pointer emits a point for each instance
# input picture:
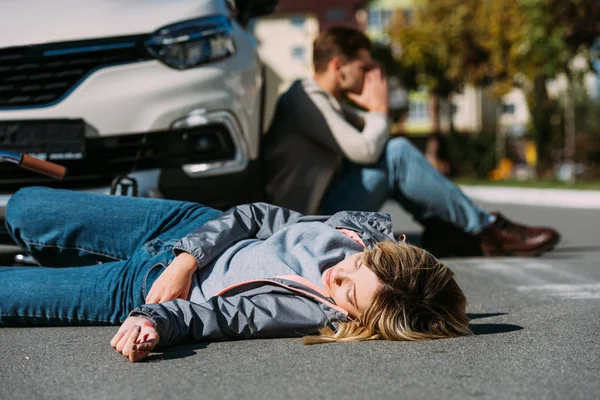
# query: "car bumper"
(148, 96)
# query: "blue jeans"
(100, 253)
(403, 174)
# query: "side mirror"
(248, 9)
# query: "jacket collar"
(371, 227)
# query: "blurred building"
(472, 110)
(381, 14)
(285, 42)
(327, 12)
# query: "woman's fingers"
(136, 356)
(153, 298)
(156, 294)
(145, 346)
(128, 339)
(150, 298)
(162, 297)
(133, 336)
(140, 351)
(123, 340)
(136, 338)
(117, 337)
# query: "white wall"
(467, 117)
(285, 47)
(520, 116)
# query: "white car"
(167, 92)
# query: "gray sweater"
(310, 135)
(305, 249)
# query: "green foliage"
(472, 155)
(499, 44)
(384, 56)
(482, 42)
(398, 74)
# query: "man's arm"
(361, 143)
(360, 146)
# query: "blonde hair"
(419, 299)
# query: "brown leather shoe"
(506, 238)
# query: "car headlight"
(191, 43)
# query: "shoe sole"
(550, 245)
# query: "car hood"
(25, 22)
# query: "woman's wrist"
(186, 261)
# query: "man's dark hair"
(338, 41)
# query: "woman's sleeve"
(266, 315)
(254, 220)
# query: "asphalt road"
(536, 323)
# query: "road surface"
(536, 324)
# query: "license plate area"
(54, 140)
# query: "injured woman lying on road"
(171, 272)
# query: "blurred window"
(374, 18)
(336, 14)
(508, 108)
(298, 21)
(453, 109)
(516, 130)
(418, 111)
(380, 18)
(299, 53)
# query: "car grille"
(109, 156)
(41, 75)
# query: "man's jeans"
(100, 254)
(403, 174)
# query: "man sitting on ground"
(323, 156)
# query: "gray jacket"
(273, 307)
(310, 135)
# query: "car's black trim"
(108, 156)
(221, 192)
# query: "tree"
(422, 52)
(499, 44)
(553, 32)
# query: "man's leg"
(364, 188)
(426, 193)
(402, 173)
(453, 223)
(442, 208)
(68, 228)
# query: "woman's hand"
(175, 281)
(136, 338)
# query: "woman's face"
(351, 284)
